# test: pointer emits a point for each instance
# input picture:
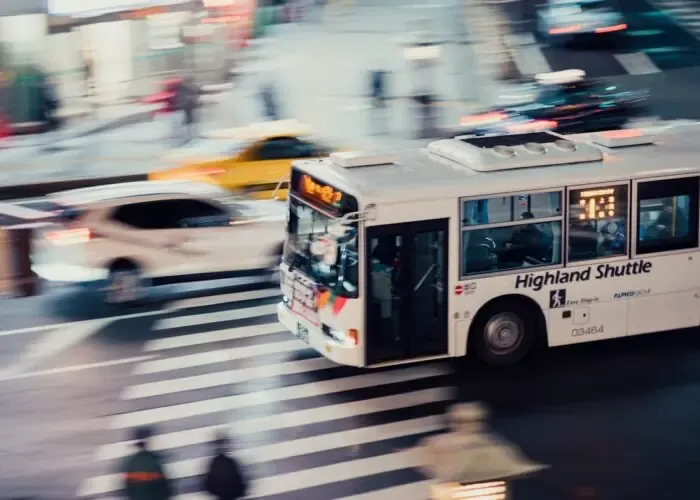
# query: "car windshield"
(305, 226)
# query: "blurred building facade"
(126, 46)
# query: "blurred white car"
(123, 236)
(565, 21)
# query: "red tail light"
(611, 29)
(71, 236)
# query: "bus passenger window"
(598, 222)
(667, 215)
(510, 208)
(523, 244)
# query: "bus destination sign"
(320, 193)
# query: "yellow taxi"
(250, 160)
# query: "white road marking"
(312, 389)
(216, 317)
(77, 368)
(54, 342)
(282, 483)
(284, 449)
(211, 337)
(224, 299)
(44, 328)
(527, 54)
(637, 63)
(420, 489)
(222, 356)
(209, 380)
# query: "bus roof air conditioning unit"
(506, 152)
(355, 159)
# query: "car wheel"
(504, 332)
(126, 285)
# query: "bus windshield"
(307, 225)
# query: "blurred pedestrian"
(187, 101)
(224, 479)
(50, 104)
(144, 477)
(268, 95)
(379, 102)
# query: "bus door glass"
(406, 300)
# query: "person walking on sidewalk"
(224, 479)
(187, 101)
(144, 477)
(268, 95)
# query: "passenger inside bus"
(526, 243)
(671, 222)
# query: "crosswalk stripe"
(527, 55)
(210, 337)
(228, 377)
(216, 317)
(344, 471)
(363, 428)
(225, 298)
(417, 490)
(314, 444)
(637, 63)
(285, 449)
(214, 357)
(227, 403)
(282, 483)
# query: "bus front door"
(406, 299)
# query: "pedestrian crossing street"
(302, 426)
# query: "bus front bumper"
(317, 340)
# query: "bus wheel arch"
(506, 329)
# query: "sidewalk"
(321, 69)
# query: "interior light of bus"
(352, 336)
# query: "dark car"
(566, 102)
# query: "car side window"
(279, 149)
(149, 215)
(199, 213)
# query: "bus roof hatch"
(354, 159)
(506, 152)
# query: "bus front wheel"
(504, 332)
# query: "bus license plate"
(303, 333)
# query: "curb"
(39, 190)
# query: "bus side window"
(504, 233)
(667, 215)
(598, 225)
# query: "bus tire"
(505, 331)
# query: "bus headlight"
(349, 337)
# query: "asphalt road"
(619, 417)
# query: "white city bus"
(491, 245)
